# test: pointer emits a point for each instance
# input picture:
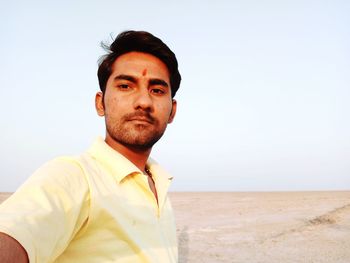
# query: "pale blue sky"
(264, 103)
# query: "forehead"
(140, 64)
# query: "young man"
(109, 204)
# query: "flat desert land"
(265, 227)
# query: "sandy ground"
(262, 227)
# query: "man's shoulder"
(69, 164)
(63, 170)
(60, 181)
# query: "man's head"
(137, 90)
(140, 41)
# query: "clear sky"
(264, 104)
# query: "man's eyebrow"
(158, 82)
(125, 77)
(134, 80)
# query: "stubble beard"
(139, 137)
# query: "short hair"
(140, 41)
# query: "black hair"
(140, 41)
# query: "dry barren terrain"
(263, 227)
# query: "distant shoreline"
(178, 194)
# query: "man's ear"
(173, 111)
(99, 105)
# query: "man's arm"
(11, 251)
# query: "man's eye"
(157, 91)
(123, 86)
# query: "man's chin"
(137, 137)
(143, 142)
(139, 145)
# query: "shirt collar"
(119, 166)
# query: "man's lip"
(141, 119)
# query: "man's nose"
(143, 100)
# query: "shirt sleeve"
(48, 210)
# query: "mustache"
(140, 114)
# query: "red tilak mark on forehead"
(144, 72)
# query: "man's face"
(137, 103)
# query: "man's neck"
(136, 156)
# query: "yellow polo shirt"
(97, 207)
